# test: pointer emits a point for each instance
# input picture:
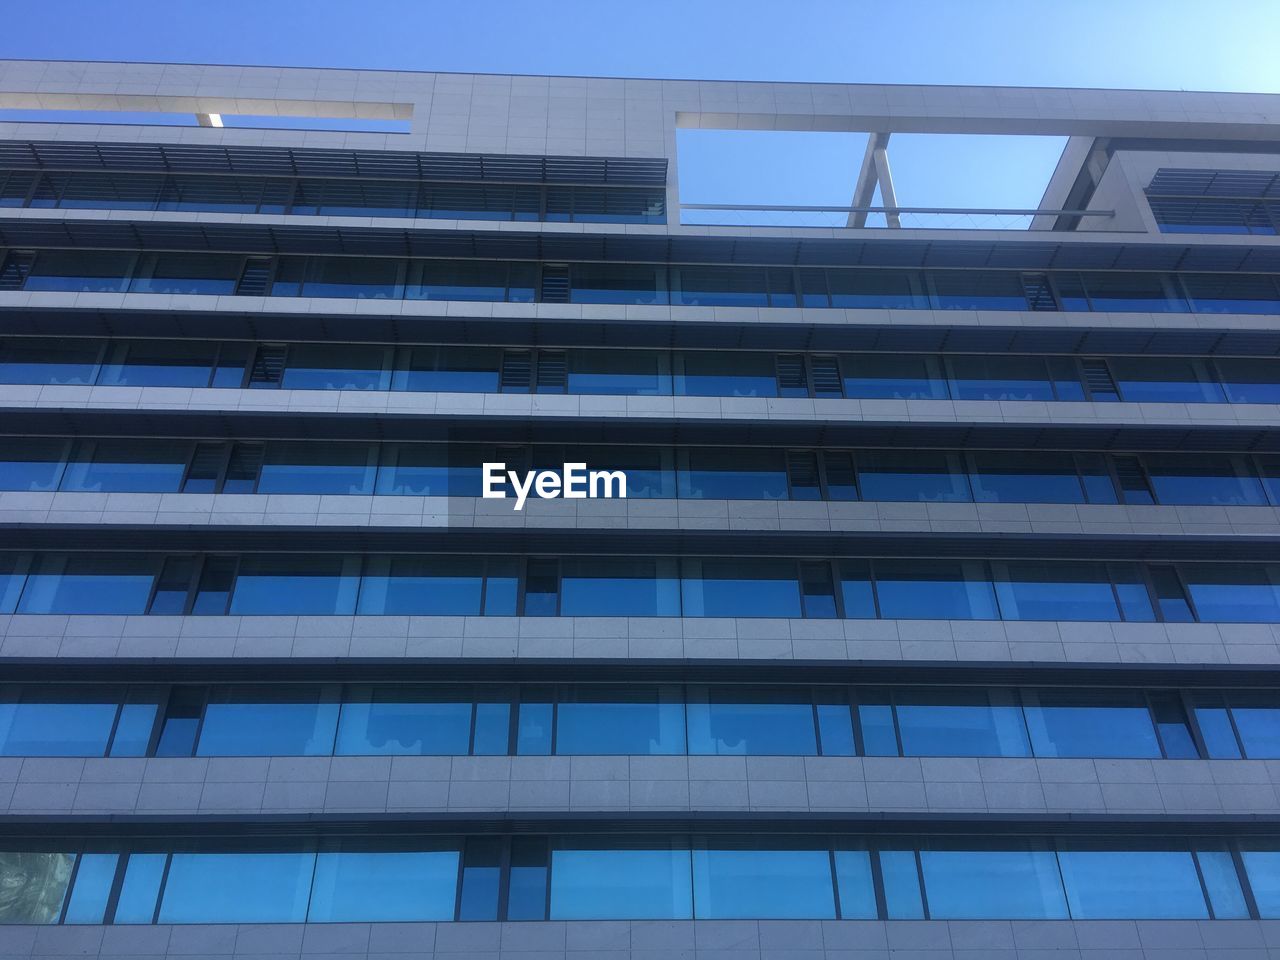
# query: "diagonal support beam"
(874, 172)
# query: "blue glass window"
(621, 884)
(857, 888)
(248, 722)
(1257, 719)
(1232, 293)
(616, 720)
(1132, 292)
(450, 370)
(141, 888)
(650, 470)
(1000, 378)
(871, 289)
(880, 376)
(912, 476)
(1203, 478)
(934, 590)
(94, 876)
(978, 290)
(345, 367)
(237, 888)
(295, 585)
(1132, 884)
(619, 588)
(37, 361)
(426, 586)
(901, 877)
(1025, 478)
(740, 588)
(80, 271)
(363, 278)
(141, 466)
(717, 474)
(45, 724)
(146, 363)
(198, 273)
(1164, 380)
(636, 373)
(431, 470)
(961, 723)
(1090, 724)
(783, 884)
(992, 884)
(618, 283)
(726, 374)
(743, 723)
(1263, 870)
(79, 584)
(407, 721)
(39, 883)
(384, 885)
(1234, 593)
(31, 465)
(1046, 590)
(719, 287)
(458, 280)
(302, 467)
(1249, 380)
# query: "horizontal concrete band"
(268, 510)
(341, 308)
(246, 786)
(638, 638)
(539, 406)
(664, 940)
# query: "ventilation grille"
(802, 468)
(517, 370)
(826, 377)
(1097, 378)
(1133, 479)
(255, 280)
(268, 367)
(789, 369)
(16, 267)
(555, 283)
(553, 371)
(1039, 293)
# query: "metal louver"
(553, 371)
(13, 274)
(268, 367)
(1098, 380)
(1133, 479)
(255, 279)
(555, 283)
(517, 371)
(1038, 292)
(826, 377)
(802, 469)
(789, 369)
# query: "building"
(940, 619)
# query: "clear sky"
(1231, 45)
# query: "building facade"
(941, 618)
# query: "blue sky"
(1153, 44)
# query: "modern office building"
(941, 619)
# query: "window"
(1203, 478)
(1250, 381)
(750, 723)
(237, 888)
(31, 465)
(728, 374)
(334, 468)
(1257, 721)
(247, 722)
(637, 373)
(384, 885)
(1090, 725)
(635, 883)
(362, 278)
(198, 273)
(740, 588)
(295, 585)
(1131, 292)
(1232, 293)
(87, 584)
(934, 590)
(990, 884)
(912, 476)
(628, 588)
(876, 376)
(777, 884)
(425, 586)
(618, 283)
(412, 721)
(345, 367)
(160, 363)
(621, 720)
(719, 287)
(80, 271)
(1000, 378)
(1234, 593)
(35, 884)
(1137, 884)
(1033, 590)
(1263, 870)
(1164, 380)
(39, 361)
(866, 289)
(142, 466)
(450, 370)
(978, 290)
(712, 474)
(49, 722)
(940, 723)
(1025, 478)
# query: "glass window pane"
(618, 283)
(94, 876)
(1083, 724)
(876, 376)
(1164, 380)
(1025, 478)
(307, 467)
(1131, 292)
(251, 722)
(1222, 881)
(88, 584)
(384, 886)
(1000, 378)
(1203, 478)
(364, 278)
(1232, 293)
(1233, 592)
(1048, 590)
(618, 588)
(934, 590)
(992, 884)
(160, 363)
(1257, 718)
(718, 474)
(345, 367)
(198, 273)
(31, 360)
(872, 289)
(614, 720)
(742, 723)
(47, 723)
(976, 723)
(727, 374)
(1263, 870)
(294, 585)
(138, 466)
(857, 888)
(901, 885)
(776, 884)
(978, 290)
(740, 588)
(237, 888)
(1135, 885)
(639, 373)
(1250, 381)
(451, 370)
(911, 476)
(431, 470)
(720, 286)
(80, 271)
(30, 464)
(620, 885)
(34, 884)
(143, 873)
(459, 280)
(404, 721)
